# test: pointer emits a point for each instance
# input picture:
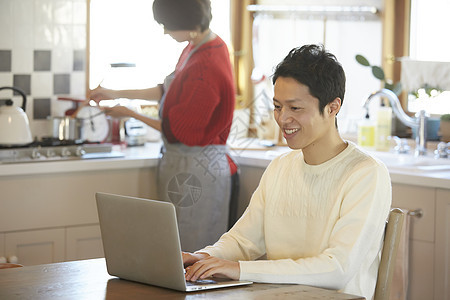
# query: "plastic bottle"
(383, 129)
(366, 133)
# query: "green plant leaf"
(362, 60)
(378, 72)
(388, 85)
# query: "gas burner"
(51, 141)
(7, 147)
(44, 142)
(38, 152)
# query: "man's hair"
(318, 69)
(183, 14)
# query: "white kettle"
(14, 124)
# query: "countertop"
(133, 157)
(247, 155)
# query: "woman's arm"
(101, 93)
(122, 111)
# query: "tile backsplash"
(43, 52)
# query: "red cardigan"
(199, 105)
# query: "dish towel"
(415, 74)
(399, 288)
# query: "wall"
(43, 52)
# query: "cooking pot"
(14, 124)
(67, 128)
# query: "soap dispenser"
(366, 132)
(383, 128)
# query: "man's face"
(297, 114)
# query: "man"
(319, 212)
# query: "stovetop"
(50, 149)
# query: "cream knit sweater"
(319, 225)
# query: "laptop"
(141, 243)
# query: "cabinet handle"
(13, 259)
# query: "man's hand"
(191, 258)
(212, 266)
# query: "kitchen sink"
(411, 163)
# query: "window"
(343, 34)
(124, 33)
(429, 18)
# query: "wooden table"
(88, 279)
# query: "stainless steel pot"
(67, 128)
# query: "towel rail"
(418, 213)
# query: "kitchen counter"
(430, 175)
(250, 156)
(133, 157)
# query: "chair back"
(389, 253)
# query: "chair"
(389, 253)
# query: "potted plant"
(378, 73)
(444, 128)
(398, 128)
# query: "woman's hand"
(212, 266)
(119, 111)
(101, 93)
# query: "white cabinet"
(84, 242)
(53, 217)
(429, 257)
(35, 246)
(421, 255)
(442, 251)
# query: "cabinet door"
(442, 247)
(36, 247)
(414, 197)
(83, 242)
(421, 238)
(249, 181)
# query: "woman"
(196, 109)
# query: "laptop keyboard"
(200, 281)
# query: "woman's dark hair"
(183, 14)
(316, 68)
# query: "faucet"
(419, 122)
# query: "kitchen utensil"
(14, 125)
(96, 125)
(79, 104)
(135, 132)
(67, 128)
